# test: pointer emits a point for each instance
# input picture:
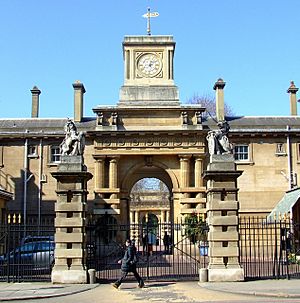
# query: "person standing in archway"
(128, 264)
(151, 242)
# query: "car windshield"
(24, 248)
(29, 239)
(34, 247)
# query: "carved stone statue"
(74, 142)
(218, 143)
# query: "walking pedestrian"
(128, 264)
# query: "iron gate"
(165, 251)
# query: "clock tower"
(148, 72)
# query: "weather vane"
(149, 15)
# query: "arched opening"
(150, 202)
(150, 210)
(156, 178)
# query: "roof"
(41, 126)
(238, 124)
(285, 205)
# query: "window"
(280, 149)
(54, 154)
(32, 151)
(241, 152)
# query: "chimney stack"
(35, 102)
(219, 88)
(79, 91)
(292, 90)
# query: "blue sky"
(253, 45)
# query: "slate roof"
(42, 125)
(260, 124)
(239, 124)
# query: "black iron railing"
(26, 252)
(269, 248)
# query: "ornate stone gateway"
(149, 134)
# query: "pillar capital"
(184, 157)
(113, 158)
(199, 157)
(99, 158)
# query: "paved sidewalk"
(30, 290)
(262, 288)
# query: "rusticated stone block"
(223, 251)
(222, 220)
(68, 237)
(68, 253)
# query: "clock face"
(149, 65)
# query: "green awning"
(285, 205)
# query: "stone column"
(222, 219)
(167, 216)
(198, 171)
(131, 217)
(70, 214)
(184, 173)
(113, 175)
(136, 217)
(99, 172)
(198, 174)
(162, 217)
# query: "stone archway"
(141, 171)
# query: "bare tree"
(209, 102)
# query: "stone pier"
(70, 211)
(222, 219)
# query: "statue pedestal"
(222, 219)
(70, 255)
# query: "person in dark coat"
(128, 264)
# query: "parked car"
(37, 255)
(30, 238)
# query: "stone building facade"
(149, 133)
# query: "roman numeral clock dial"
(149, 65)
